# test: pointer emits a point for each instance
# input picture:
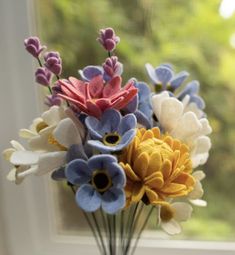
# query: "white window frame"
(27, 224)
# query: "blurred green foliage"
(189, 34)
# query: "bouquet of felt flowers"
(127, 152)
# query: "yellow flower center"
(157, 167)
(167, 213)
(40, 126)
(111, 139)
(101, 180)
(53, 141)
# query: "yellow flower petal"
(141, 165)
(155, 163)
(129, 172)
(155, 180)
(152, 195)
(166, 168)
(137, 192)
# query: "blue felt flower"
(101, 182)
(164, 77)
(141, 105)
(112, 132)
(192, 89)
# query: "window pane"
(192, 35)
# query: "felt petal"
(182, 211)
(66, 133)
(157, 102)
(164, 74)
(113, 200)
(17, 146)
(117, 175)
(92, 124)
(128, 122)
(198, 202)
(171, 111)
(171, 227)
(197, 191)
(76, 151)
(26, 133)
(110, 121)
(137, 192)
(141, 165)
(53, 115)
(132, 105)
(59, 174)
(179, 79)
(151, 72)
(129, 172)
(112, 87)
(152, 195)
(78, 172)
(50, 161)
(88, 198)
(96, 86)
(93, 109)
(143, 119)
(155, 163)
(89, 72)
(101, 161)
(199, 175)
(24, 158)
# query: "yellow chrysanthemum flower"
(157, 167)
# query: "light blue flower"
(101, 181)
(192, 89)
(112, 132)
(164, 77)
(141, 105)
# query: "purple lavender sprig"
(53, 62)
(33, 46)
(108, 39)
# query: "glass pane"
(197, 36)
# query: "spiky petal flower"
(95, 97)
(157, 167)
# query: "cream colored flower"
(188, 126)
(170, 216)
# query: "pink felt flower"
(95, 97)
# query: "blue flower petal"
(110, 120)
(190, 89)
(93, 126)
(128, 122)
(164, 75)
(126, 139)
(132, 106)
(143, 91)
(100, 161)
(88, 198)
(198, 101)
(78, 172)
(179, 79)
(75, 151)
(59, 174)
(143, 119)
(151, 72)
(113, 200)
(117, 175)
(89, 72)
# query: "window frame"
(27, 217)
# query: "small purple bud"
(108, 39)
(43, 76)
(33, 46)
(53, 62)
(56, 89)
(52, 100)
(112, 67)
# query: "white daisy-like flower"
(170, 216)
(196, 194)
(183, 124)
(64, 135)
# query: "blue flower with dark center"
(112, 132)
(101, 182)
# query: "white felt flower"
(196, 194)
(187, 126)
(171, 215)
(64, 135)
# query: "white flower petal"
(66, 133)
(26, 133)
(24, 158)
(187, 126)
(53, 115)
(183, 211)
(197, 191)
(50, 161)
(172, 227)
(12, 175)
(206, 128)
(17, 146)
(199, 202)
(199, 175)
(157, 102)
(171, 111)
(7, 153)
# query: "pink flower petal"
(96, 86)
(93, 109)
(71, 91)
(103, 103)
(79, 85)
(113, 87)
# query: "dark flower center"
(111, 139)
(101, 180)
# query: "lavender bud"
(33, 46)
(53, 62)
(43, 76)
(108, 39)
(52, 100)
(112, 67)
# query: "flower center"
(101, 180)
(40, 126)
(111, 139)
(167, 213)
